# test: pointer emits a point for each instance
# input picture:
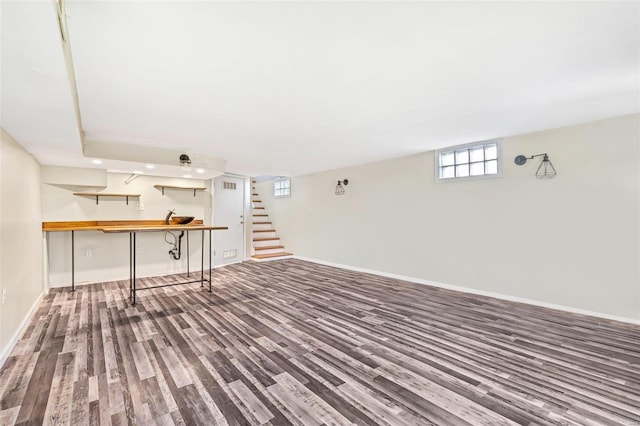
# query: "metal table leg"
(73, 261)
(202, 260)
(188, 253)
(130, 266)
(134, 268)
(209, 258)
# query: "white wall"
(20, 238)
(571, 241)
(110, 252)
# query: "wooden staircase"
(266, 245)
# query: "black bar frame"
(132, 268)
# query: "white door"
(228, 210)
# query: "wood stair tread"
(266, 256)
(262, 223)
(268, 247)
(266, 239)
(264, 230)
(261, 215)
(258, 208)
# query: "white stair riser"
(269, 251)
(262, 227)
(271, 258)
(271, 234)
(275, 242)
(260, 218)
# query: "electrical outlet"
(89, 253)
(140, 250)
(140, 206)
(4, 295)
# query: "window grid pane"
(477, 169)
(473, 161)
(447, 172)
(462, 156)
(447, 159)
(282, 188)
(476, 154)
(490, 152)
(462, 170)
(491, 167)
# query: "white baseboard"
(474, 291)
(20, 331)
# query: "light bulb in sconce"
(340, 186)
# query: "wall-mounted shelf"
(183, 188)
(97, 195)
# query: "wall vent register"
(229, 185)
(476, 160)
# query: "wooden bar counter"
(132, 227)
(128, 225)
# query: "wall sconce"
(340, 188)
(545, 169)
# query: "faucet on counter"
(168, 218)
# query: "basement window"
(282, 188)
(470, 161)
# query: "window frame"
(437, 154)
(288, 194)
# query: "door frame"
(246, 212)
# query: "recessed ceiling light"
(138, 172)
(150, 166)
(97, 161)
(200, 170)
(186, 176)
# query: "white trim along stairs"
(265, 245)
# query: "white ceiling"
(288, 88)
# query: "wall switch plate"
(89, 253)
(140, 206)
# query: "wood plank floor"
(292, 342)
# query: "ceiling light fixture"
(185, 163)
(150, 166)
(96, 161)
(545, 169)
(186, 176)
(199, 170)
(340, 188)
